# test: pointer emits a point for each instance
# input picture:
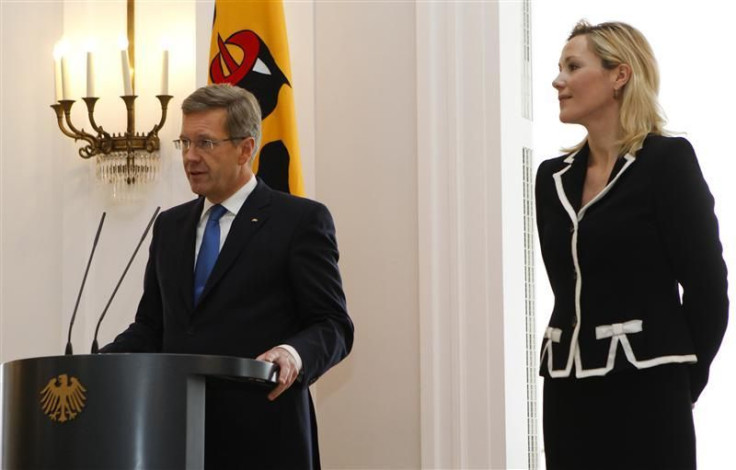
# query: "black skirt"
(639, 419)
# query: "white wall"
(693, 44)
(30, 164)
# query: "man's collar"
(234, 202)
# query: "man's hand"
(288, 371)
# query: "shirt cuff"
(294, 354)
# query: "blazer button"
(574, 276)
(572, 229)
(575, 322)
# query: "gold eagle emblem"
(62, 399)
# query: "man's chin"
(197, 189)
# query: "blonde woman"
(625, 221)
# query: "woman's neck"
(603, 143)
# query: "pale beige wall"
(366, 167)
(30, 164)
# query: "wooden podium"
(113, 411)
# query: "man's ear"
(247, 150)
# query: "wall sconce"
(126, 159)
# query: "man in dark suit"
(244, 271)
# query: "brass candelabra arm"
(164, 99)
(104, 139)
(66, 105)
(60, 121)
(90, 102)
(152, 140)
(63, 115)
(92, 148)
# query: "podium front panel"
(112, 411)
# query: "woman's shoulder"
(663, 146)
(671, 159)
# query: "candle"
(165, 74)
(90, 75)
(65, 83)
(57, 73)
(127, 84)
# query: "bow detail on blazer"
(618, 329)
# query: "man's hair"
(243, 112)
(617, 43)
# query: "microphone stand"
(95, 347)
(68, 351)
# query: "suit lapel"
(617, 168)
(252, 216)
(571, 179)
(622, 164)
(569, 183)
(186, 258)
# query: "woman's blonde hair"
(619, 43)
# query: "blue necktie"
(208, 250)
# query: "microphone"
(68, 351)
(95, 347)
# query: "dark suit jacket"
(615, 265)
(276, 281)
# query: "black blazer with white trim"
(616, 265)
